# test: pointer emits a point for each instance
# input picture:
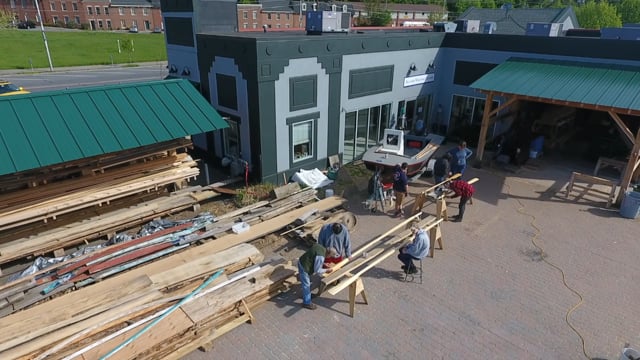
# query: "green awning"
(594, 86)
(47, 128)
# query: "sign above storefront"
(418, 79)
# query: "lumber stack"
(52, 200)
(83, 322)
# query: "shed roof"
(47, 128)
(587, 85)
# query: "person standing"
(460, 155)
(465, 191)
(335, 236)
(400, 186)
(311, 263)
(442, 168)
(416, 250)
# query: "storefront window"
(302, 140)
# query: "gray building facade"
(293, 100)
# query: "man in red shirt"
(465, 191)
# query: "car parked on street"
(7, 88)
(26, 25)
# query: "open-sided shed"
(610, 88)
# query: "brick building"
(144, 15)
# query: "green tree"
(629, 11)
(462, 5)
(6, 19)
(596, 15)
(377, 14)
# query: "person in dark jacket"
(311, 263)
(400, 186)
(465, 191)
(442, 168)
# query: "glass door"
(361, 132)
(349, 137)
(374, 127)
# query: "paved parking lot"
(528, 274)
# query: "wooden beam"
(483, 128)
(629, 170)
(505, 105)
(623, 127)
(347, 282)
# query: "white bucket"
(328, 193)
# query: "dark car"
(26, 25)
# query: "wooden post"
(356, 289)
(435, 235)
(441, 208)
(484, 128)
(630, 169)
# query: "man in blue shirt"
(416, 250)
(460, 155)
(311, 263)
(335, 236)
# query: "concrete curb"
(5, 72)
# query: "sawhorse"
(355, 289)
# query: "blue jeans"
(305, 281)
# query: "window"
(63, 6)
(288, 26)
(232, 137)
(147, 25)
(278, 16)
(277, 26)
(74, 6)
(363, 129)
(302, 136)
(98, 10)
(100, 24)
(255, 15)
(123, 24)
(55, 19)
(134, 23)
(467, 111)
(133, 11)
(288, 16)
(120, 11)
(53, 6)
(145, 11)
(268, 16)
(245, 25)
(77, 20)
(245, 14)
(66, 20)
(255, 25)
(109, 24)
(106, 10)
(90, 10)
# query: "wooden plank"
(132, 255)
(29, 324)
(348, 281)
(285, 190)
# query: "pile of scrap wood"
(76, 305)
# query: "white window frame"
(298, 141)
(120, 11)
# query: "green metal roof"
(606, 87)
(47, 128)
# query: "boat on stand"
(400, 146)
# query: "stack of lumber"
(54, 199)
(89, 314)
(92, 321)
(90, 165)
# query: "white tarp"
(311, 178)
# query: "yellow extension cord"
(537, 233)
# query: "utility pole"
(300, 16)
(44, 36)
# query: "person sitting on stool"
(465, 191)
(416, 250)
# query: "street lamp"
(44, 36)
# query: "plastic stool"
(411, 277)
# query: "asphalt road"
(67, 78)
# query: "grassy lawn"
(20, 48)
